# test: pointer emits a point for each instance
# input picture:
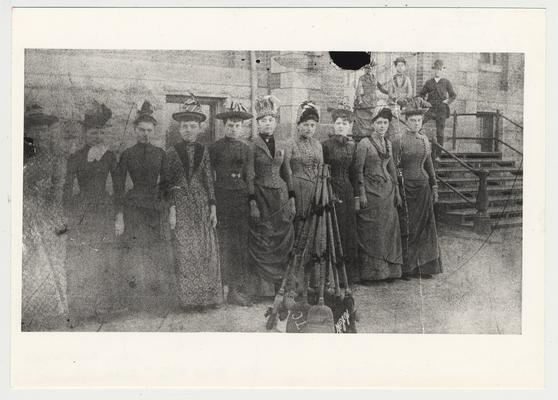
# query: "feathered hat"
(145, 114)
(34, 116)
(307, 110)
(267, 105)
(235, 110)
(342, 110)
(382, 112)
(190, 110)
(97, 115)
(415, 106)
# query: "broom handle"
(338, 240)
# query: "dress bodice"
(413, 155)
(305, 157)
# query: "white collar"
(95, 153)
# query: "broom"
(320, 316)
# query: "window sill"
(485, 67)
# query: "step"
(500, 223)
(477, 162)
(473, 155)
(495, 212)
(493, 200)
(490, 179)
(459, 168)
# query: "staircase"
(458, 188)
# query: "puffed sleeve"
(171, 173)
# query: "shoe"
(426, 276)
(235, 297)
(405, 277)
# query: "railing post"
(454, 132)
(495, 144)
(481, 223)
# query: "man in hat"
(231, 161)
(439, 92)
(367, 94)
(143, 254)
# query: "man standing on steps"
(439, 92)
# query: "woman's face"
(400, 67)
(414, 122)
(267, 125)
(381, 126)
(145, 132)
(307, 128)
(94, 136)
(189, 130)
(233, 128)
(342, 126)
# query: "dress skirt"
(418, 227)
(379, 236)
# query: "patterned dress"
(339, 153)
(44, 301)
(421, 251)
(194, 240)
(379, 237)
(92, 254)
(231, 160)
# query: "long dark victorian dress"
(421, 252)
(339, 153)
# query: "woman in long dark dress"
(44, 300)
(412, 152)
(272, 205)
(192, 215)
(91, 260)
(305, 155)
(339, 152)
(378, 233)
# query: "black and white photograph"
(272, 191)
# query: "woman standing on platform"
(412, 154)
(339, 152)
(272, 205)
(379, 236)
(192, 214)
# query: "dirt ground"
(479, 292)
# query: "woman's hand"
(398, 201)
(119, 224)
(213, 216)
(172, 217)
(292, 207)
(363, 200)
(357, 203)
(254, 210)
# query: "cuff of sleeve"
(251, 197)
(292, 194)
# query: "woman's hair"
(413, 113)
(343, 118)
(384, 113)
(233, 119)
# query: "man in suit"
(438, 91)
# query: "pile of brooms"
(315, 302)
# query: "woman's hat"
(236, 110)
(343, 110)
(416, 106)
(190, 110)
(306, 111)
(97, 116)
(267, 105)
(400, 59)
(438, 64)
(145, 114)
(382, 112)
(34, 116)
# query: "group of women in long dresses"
(233, 209)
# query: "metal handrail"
(511, 147)
(512, 122)
(457, 192)
(493, 139)
(461, 162)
